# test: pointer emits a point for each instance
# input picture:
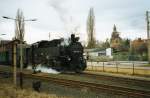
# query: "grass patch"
(9, 91)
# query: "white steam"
(44, 69)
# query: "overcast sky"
(61, 17)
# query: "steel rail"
(118, 78)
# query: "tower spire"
(114, 29)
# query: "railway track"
(133, 93)
(118, 79)
(93, 86)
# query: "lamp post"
(148, 35)
(3, 34)
(17, 19)
(21, 48)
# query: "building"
(97, 52)
(6, 51)
(4, 45)
(115, 41)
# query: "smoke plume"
(64, 14)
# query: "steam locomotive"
(55, 54)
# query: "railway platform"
(119, 75)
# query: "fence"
(126, 67)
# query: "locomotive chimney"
(72, 38)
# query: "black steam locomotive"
(58, 56)
(54, 54)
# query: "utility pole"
(19, 35)
(148, 37)
(14, 64)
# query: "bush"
(121, 56)
(125, 56)
(100, 58)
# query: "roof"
(94, 50)
(4, 42)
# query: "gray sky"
(60, 17)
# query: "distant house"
(109, 52)
(97, 52)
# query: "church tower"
(114, 29)
(115, 41)
(115, 33)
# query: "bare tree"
(19, 26)
(91, 29)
